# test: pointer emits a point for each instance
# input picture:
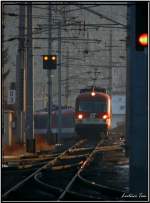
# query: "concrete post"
(49, 133)
(20, 74)
(30, 140)
(59, 83)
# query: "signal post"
(49, 63)
(137, 99)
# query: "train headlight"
(93, 94)
(105, 117)
(80, 116)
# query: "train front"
(92, 113)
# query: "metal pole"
(67, 79)
(20, 74)
(22, 52)
(2, 68)
(110, 59)
(49, 71)
(59, 82)
(18, 111)
(30, 135)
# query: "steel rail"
(50, 163)
(46, 185)
(78, 172)
(24, 161)
(55, 190)
(103, 188)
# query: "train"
(92, 115)
(67, 125)
(93, 112)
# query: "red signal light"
(143, 39)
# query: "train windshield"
(93, 106)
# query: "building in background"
(93, 45)
(118, 110)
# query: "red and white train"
(67, 125)
(93, 112)
(92, 116)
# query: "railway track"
(28, 182)
(89, 190)
(62, 177)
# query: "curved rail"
(78, 172)
(49, 164)
(102, 188)
(105, 191)
(69, 192)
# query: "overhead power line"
(101, 15)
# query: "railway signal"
(141, 25)
(49, 62)
(143, 39)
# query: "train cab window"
(93, 106)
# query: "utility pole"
(110, 63)
(110, 58)
(30, 140)
(20, 74)
(49, 71)
(67, 79)
(2, 68)
(59, 82)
